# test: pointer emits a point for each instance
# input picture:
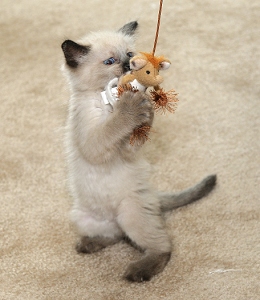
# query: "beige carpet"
(214, 46)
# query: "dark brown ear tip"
(129, 28)
(134, 24)
(73, 52)
(64, 44)
(69, 44)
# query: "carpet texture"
(214, 47)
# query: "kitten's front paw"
(136, 108)
(88, 245)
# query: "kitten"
(108, 177)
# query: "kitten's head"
(99, 57)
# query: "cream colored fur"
(106, 173)
(108, 177)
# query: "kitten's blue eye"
(130, 54)
(109, 61)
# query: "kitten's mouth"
(126, 67)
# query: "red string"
(158, 26)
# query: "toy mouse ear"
(164, 65)
(137, 63)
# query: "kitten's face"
(99, 57)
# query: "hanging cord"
(158, 26)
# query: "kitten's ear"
(129, 28)
(74, 52)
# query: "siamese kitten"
(108, 177)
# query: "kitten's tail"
(170, 201)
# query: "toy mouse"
(144, 73)
(145, 69)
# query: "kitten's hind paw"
(147, 267)
(93, 244)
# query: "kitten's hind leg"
(94, 244)
(140, 219)
(170, 201)
(95, 234)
